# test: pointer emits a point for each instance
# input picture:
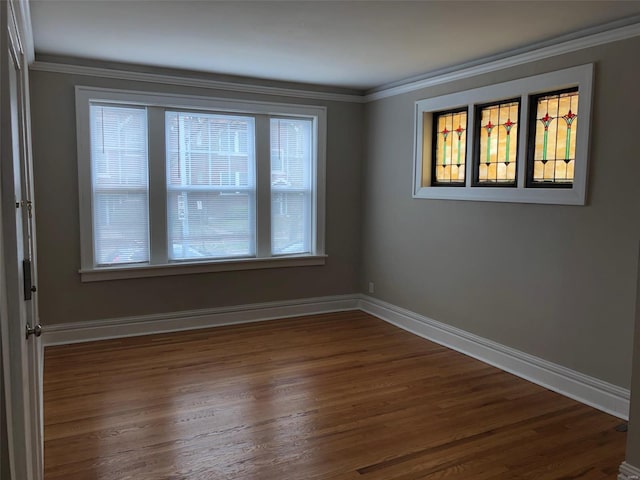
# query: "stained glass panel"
(554, 153)
(498, 143)
(450, 147)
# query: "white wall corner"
(591, 391)
(628, 472)
(104, 329)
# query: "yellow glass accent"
(555, 146)
(498, 131)
(450, 153)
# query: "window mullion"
(471, 138)
(263, 187)
(86, 204)
(523, 141)
(157, 186)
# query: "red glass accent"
(489, 126)
(508, 125)
(569, 118)
(459, 131)
(546, 120)
(445, 132)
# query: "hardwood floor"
(335, 397)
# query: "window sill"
(182, 268)
(553, 196)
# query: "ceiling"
(354, 44)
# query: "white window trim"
(581, 76)
(157, 230)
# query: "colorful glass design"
(556, 122)
(498, 143)
(450, 151)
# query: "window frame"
(250, 190)
(533, 99)
(579, 76)
(477, 133)
(96, 190)
(157, 104)
(306, 192)
(434, 134)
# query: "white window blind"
(210, 185)
(120, 194)
(291, 185)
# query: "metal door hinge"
(29, 205)
(36, 330)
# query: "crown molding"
(472, 69)
(191, 82)
(462, 72)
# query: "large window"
(176, 184)
(210, 185)
(291, 188)
(518, 141)
(119, 184)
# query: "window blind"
(210, 185)
(120, 192)
(291, 185)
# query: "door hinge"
(29, 205)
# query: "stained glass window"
(552, 156)
(498, 143)
(450, 147)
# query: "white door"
(21, 352)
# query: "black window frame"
(476, 143)
(434, 146)
(531, 137)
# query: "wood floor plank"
(340, 396)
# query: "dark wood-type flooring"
(341, 396)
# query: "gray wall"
(554, 281)
(633, 436)
(557, 282)
(63, 298)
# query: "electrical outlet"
(371, 287)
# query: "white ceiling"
(356, 44)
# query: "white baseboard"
(583, 388)
(628, 472)
(589, 390)
(68, 333)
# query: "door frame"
(21, 357)
(34, 346)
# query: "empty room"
(331, 240)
